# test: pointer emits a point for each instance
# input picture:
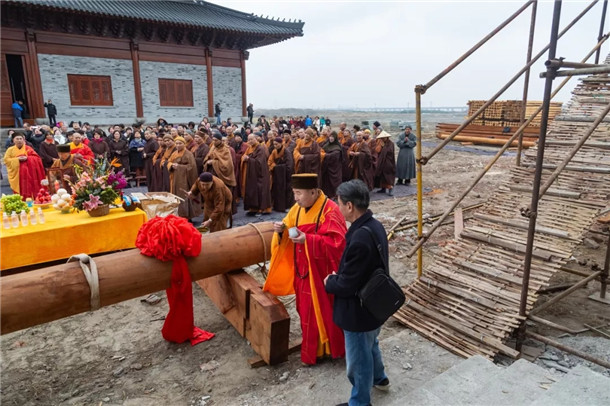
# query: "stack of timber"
(468, 298)
(498, 122)
(479, 134)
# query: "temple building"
(117, 61)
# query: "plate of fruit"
(43, 198)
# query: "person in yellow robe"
(307, 246)
(24, 167)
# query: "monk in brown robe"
(255, 178)
(182, 176)
(170, 146)
(190, 142)
(308, 155)
(323, 138)
(64, 166)
(240, 148)
(332, 166)
(48, 150)
(217, 203)
(157, 172)
(150, 149)
(385, 173)
(216, 199)
(346, 140)
(361, 161)
(289, 142)
(280, 167)
(231, 137)
(200, 150)
(219, 161)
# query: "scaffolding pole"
(533, 209)
(526, 80)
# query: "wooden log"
(48, 294)
(490, 141)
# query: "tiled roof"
(194, 13)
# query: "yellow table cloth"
(64, 235)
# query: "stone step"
(456, 385)
(409, 359)
(580, 386)
(518, 384)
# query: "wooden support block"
(256, 315)
(256, 362)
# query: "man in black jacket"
(362, 355)
(51, 112)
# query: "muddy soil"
(116, 355)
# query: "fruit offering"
(13, 203)
(43, 196)
(62, 200)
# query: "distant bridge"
(405, 109)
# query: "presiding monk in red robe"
(24, 166)
(80, 150)
(306, 247)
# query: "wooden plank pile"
(498, 122)
(479, 134)
(468, 298)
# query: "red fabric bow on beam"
(173, 238)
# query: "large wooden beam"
(48, 294)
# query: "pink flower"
(93, 202)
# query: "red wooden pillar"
(244, 102)
(32, 77)
(208, 64)
(137, 83)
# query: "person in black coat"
(360, 258)
(51, 112)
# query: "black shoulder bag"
(381, 295)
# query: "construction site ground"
(116, 355)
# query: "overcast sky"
(372, 54)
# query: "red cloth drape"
(173, 238)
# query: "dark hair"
(356, 192)
(17, 134)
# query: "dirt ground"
(116, 355)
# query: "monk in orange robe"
(306, 247)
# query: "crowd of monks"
(256, 165)
(254, 162)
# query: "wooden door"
(6, 97)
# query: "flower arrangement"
(97, 185)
